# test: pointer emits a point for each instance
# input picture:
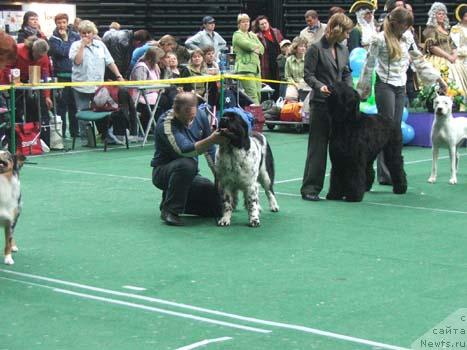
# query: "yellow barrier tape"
(188, 80)
(243, 77)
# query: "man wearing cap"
(281, 60)
(207, 37)
(314, 30)
(365, 29)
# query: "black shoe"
(310, 197)
(171, 219)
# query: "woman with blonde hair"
(89, 56)
(390, 53)
(326, 62)
(248, 49)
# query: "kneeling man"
(181, 135)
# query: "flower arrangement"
(457, 95)
(428, 93)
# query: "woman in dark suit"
(326, 62)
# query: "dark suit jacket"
(322, 69)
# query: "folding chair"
(93, 117)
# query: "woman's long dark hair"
(255, 25)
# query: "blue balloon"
(357, 60)
(405, 114)
(408, 133)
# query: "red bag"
(291, 112)
(105, 99)
(28, 138)
(258, 113)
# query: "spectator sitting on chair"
(281, 60)
(147, 69)
(212, 69)
(196, 68)
(89, 57)
(172, 65)
(168, 43)
(60, 43)
(294, 70)
(30, 27)
(207, 38)
(33, 52)
(182, 134)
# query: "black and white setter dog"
(240, 165)
(10, 199)
(355, 141)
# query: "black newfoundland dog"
(355, 141)
(240, 165)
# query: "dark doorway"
(270, 8)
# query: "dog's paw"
(432, 179)
(275, 208)
(223, 222)
(14, 249)
(254, 222)
(453, 181)
(8, 260)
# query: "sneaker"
(112, 139)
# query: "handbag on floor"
(28, 139)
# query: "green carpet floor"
(325, 275)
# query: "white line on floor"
(134, 288)
(203, 343)
(387, 204)
(143, 307)
(149, 179)
(90, 173)
(214, 312)
(417, 208)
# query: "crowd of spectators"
(75, 53)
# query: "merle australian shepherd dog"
(355, 141)
(10, 199)
(240, 165)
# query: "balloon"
(405, 114)
(371, 99)
(357, 60)
(368, 108)
(408, 133)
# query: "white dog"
(446, 132)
